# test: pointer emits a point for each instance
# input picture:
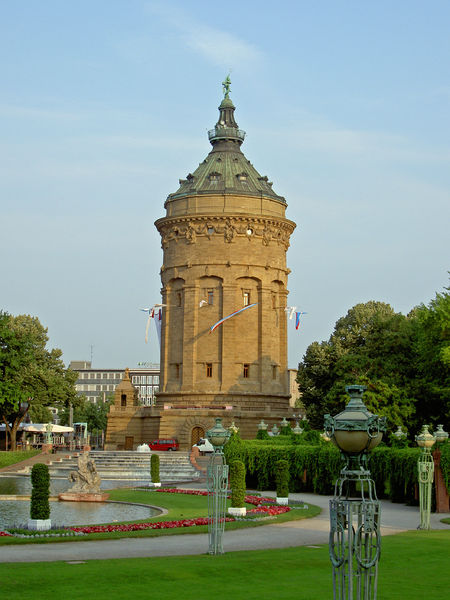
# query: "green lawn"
(11, 458)
(414, 565)
(179, 506)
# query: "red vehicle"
(169, 445)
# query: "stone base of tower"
(128, 428)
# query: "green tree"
(371, 345)
(432, 360)
(29, 372)
(84, 411)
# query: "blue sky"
(104, 105)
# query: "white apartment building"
(98, 384)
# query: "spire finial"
(226, 86)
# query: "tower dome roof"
(226, 170)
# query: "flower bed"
(250, 499)
(272, 511)
(4, 534)
(143, 526)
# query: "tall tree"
(371, 345)
(432, 361)
(29, 372)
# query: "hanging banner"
(151, 315)
(233, 314)
(297, 318)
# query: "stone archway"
(196, 434)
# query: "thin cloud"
(218, 46)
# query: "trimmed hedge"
(282, 478)
(154, 468)
(315, 468)
(445, 463)
(40, 480)
(237, 484)
(312, 468)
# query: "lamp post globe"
(355, 430)
(440, 434)
(399, 434)
(218, 436)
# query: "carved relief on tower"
(190, 234)
(263, 230)
(229, 231)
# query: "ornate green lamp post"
(355, 540)
(217, 483)
(425, 467)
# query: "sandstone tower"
(224, 239)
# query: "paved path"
(307, 532)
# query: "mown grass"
(179, 506)
(413, 565)
(13, 457)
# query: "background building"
(99, 384)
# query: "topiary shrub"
(237, 484)
(445, 463)
(40, 480)
(154, 468)
(282, 478)
(262, 435)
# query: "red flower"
(143, 526)
(4, 534)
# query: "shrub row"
(314, 468)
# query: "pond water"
(21, 486)
(14, 513)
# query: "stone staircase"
(174, 467)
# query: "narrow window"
(246, 297)
(177, 371)
(208, 369)
(123, 400)
(179, 298)
(246, 370)
(274, 371)
(274, 301)
(210, 297)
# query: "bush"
(237, 484)
(445, 463)
(314, 468)
(154, 468)
(262, 435)
(282, 478)
(40, 480)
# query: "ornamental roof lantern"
(226, 128)
(226, 170)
